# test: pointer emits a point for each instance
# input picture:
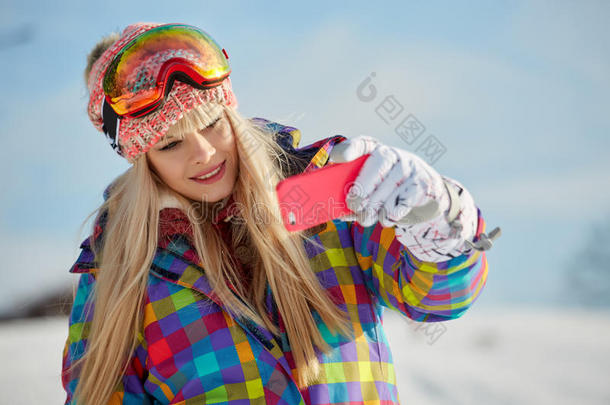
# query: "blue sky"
(517, 92)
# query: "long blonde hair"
(130, 241)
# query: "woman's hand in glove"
(391, 183)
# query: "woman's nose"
(202, 149)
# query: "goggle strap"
(110, 126)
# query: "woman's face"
(185, 164)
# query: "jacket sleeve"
(422, 291)
(130, 390)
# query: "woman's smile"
(212, 175)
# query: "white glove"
(391, 183)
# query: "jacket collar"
(174, 221)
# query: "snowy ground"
(511, 357)
(516, 357)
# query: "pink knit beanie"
(138, 135)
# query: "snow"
(33, 348)
(504, 357)
(527, 356)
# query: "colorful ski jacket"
(193, 350)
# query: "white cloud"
(578, 195)
(492, 110)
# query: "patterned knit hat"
(138, 135)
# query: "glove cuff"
(445, 236)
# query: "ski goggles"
(142, 74)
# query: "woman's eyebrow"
(166, 140)
(211, 123)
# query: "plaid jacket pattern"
(193, 350)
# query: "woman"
(192, 291)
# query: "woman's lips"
(207, 171)
(214, 178)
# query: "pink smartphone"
(313, 198)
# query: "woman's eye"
(170, 145)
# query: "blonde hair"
(130, 241)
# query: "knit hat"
(138, 135)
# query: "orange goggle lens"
(142, 73)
